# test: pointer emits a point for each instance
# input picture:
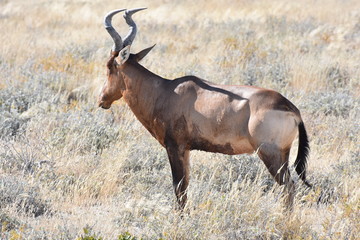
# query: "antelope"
(189, 113)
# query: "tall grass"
(71, 171)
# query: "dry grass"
(66, 166)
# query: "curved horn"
(118, 44)
(132, 33)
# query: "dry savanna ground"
(69, 170)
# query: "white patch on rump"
(275, 127)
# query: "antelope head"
(120, 56)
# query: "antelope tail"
(303, 153)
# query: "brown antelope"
(190, 113)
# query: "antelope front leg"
(179, 161)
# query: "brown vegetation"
(66, 165)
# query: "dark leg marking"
(179, 162)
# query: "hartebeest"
(190, 113)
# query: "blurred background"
(69, 170)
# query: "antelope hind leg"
(277, 162)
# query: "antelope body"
(190, 113)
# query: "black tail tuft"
(303, 153)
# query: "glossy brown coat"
(189, 113)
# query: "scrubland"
(69, 170)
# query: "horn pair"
(118, 42)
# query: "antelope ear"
(124, 54)
(140, 55)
